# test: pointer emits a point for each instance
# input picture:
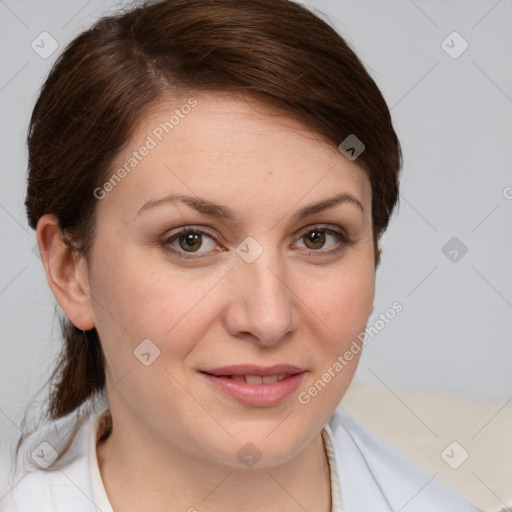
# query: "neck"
(142, 475)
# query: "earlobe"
(66, 273)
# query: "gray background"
(452, 116)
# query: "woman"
(209, 181)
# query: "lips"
(256, 386)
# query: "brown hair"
(109, 77)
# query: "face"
(182, 289)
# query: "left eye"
(188, 241)
(316, 238)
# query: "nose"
(263, 305)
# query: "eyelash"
(343, 238)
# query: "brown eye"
(325, 241)
(190, 242)
(314, 239)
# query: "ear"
(66, 273)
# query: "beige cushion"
(438, 430)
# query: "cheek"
(138, 305)
(344, 302)
(355, 301)
(136, 300)
(339, 312)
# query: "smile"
(255, 390)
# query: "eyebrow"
(212, 209)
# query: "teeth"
(256, 379)
(268, 379)
(253, 379)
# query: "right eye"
(187, 241)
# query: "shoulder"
(31, 485)
(375, 476)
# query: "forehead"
(219, 122)
(230, 146)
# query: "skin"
(175, 437)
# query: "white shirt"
(366, 474)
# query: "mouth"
(254, 374)
(255, 385)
